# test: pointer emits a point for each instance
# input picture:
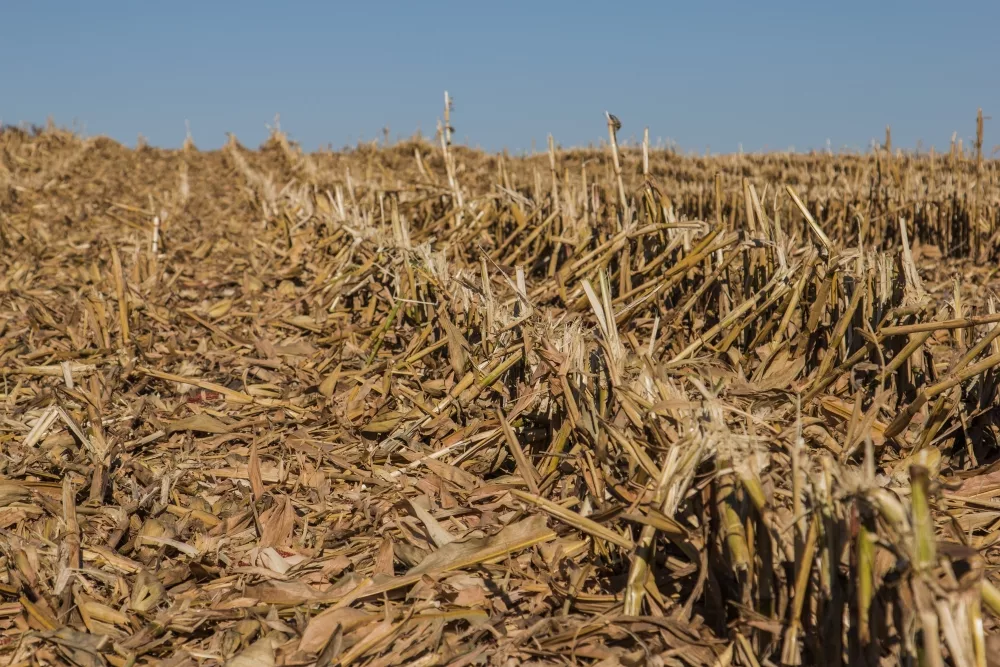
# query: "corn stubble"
(420, 405)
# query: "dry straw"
(419, 405)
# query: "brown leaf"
(980, 484)
(147, 591)
(278, 523)
(284, 593)
(437, 532)
(464, 479)
(201, 423)
(329, 384)
(512, 538)
(385, 559)
(258, 654)
(323, 625)
(457, 344)
(253, 469)
(12, 491)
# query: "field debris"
(421, 405)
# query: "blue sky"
(705, 75)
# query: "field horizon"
(631, 140)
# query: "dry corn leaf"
(511, 539)
(278, 523)
(439, 535)
(571, 518)
(201, 423)
(253, 473)
(258, 654)
(322, 626)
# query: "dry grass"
(424, 406)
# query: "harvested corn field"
(421, 405)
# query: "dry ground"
(417, 406)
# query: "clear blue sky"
(768, 74)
